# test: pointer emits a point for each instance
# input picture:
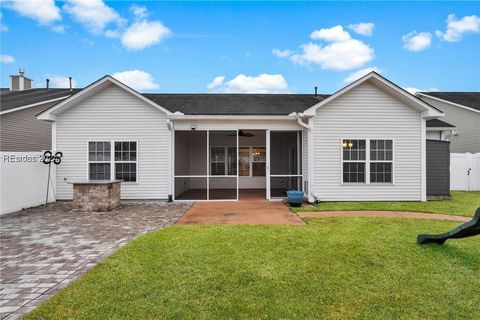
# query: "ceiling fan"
(241, 133)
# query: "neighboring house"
(365, 142)
(20, 131)
(461, 109)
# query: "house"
(463, 110)
(365, 142)
(20, 131)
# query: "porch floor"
(250, 211)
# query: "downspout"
(170, 127)
(299, 117)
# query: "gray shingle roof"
(468, 99)
(15, 99)
(236, 104)
(436, 123)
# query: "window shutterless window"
(259, 161)
(381, 161)
(126, 161)
(99, 158)
(367, 161)
(354, 160)
(123, 161)
(252, 161)
(223, 161)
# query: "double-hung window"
(367, 161)
(381, 161)
(126, 161)
(99, 160)
(223, 161)
(354, 161)
(252, 161)
(122, 165)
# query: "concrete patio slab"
(241, 212)
(381, 214)
(43, 249)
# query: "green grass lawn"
(337, 268)
(462, 204)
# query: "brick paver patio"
(43, 249)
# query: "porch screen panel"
(222, 188)
(280, 185)
(285, 162)
(222, 168)
(191, 173)
(190, 188)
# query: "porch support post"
(267, 136)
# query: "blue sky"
(184, 46)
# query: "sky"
(245, 47)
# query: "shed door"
(438, 168)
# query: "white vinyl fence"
(23, 181)
(465, 171)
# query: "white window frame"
(120, 161)
(251, 161)
(380, 161)
(112, 159)
(224, 161)
(96, 161)
(367, 160)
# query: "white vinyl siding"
(20, 131)
(466, 122)
(115, 115)
(366, 112)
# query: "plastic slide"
(468, 229)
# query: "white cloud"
(334, 34)
(110, 33)
(414, 90)
(6, 58)
(143, 34)
(341, 53)
(456, 28)
(336, 56)
(282, 53)
(136, 79)
(263, 83)
(59, 81)
(415, 41)
(43, 11)
(218, 81)
(139, 12)
(363, 28)
(95, 15)
(58, 29)
(360, 73)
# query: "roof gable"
(92, 89)
(387, 86)
(466, 100)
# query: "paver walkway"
(381, 214)
(43, 249)
(241, 212)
